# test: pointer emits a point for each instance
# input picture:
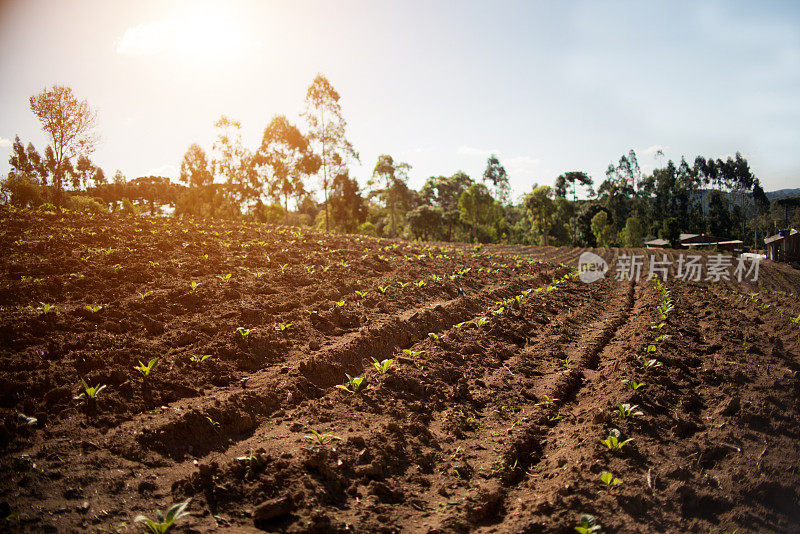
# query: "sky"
(549, 87)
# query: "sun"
(199, 31)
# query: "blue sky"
(549, 86)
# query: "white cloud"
(5, 142)
(472, 151)
(651, 150)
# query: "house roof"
(657, 242)
(684, 237)
(777, 237)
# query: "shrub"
(86, 204)
(21, 190)
(367, 228)
(128, 208)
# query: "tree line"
(273, 183)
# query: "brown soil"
(495, 425)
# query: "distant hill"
(783, 193)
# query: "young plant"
(194, 285)
(244, 332)
(482, 321)
(646, 363)
(361, 294)
(164, 522)
(403, 284)
(321, 438)
(146, 369)
(632, 384)
(547, 402)
(355, 384)
(94, 309)
(339, 303)
(412, 353)
(420, 284)
(610, 480)
(214, 424)
(280, 327)
(627, 410)
(588, 524)
(143, 295)
(90, 393)
(383, 366)
(200, 359)
(433, 335)
(225, 277)
(47, 307)
(613, 441)
(383, 289)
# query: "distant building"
(699, 241)
(784, 246)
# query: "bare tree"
(69, 123)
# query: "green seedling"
(412, 353)
(403, 284)
(658, 326)
(94, 309)
(553, 418)
(482, 321)
(280, 327)
(146, 369)
(143, 295)
(322, 438)
(661, 338)
(547, 402)
(588, 524)
(214, 424)
(613, 441)
(164, 522)
(244, 332)
(627, 410)
(26, 420)
(339, 303)
(361, 294)
(633, 384)
(194, 285)
(383, 289)
(609, 480)
(434, 336)
(384, 366)
(795, 320)
(224, 277)
(200, 359)
(650, 348)
(355, 384)
(421, 283)
(646, 363)
(47, 307)
(435, 278)
(89, 392)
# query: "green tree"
(477, 207)
(286, 153)
(348, 208)
(496, 174)
(633, 232)
(541, 209)
(84, 170)
(195, 167)
(69, 123)
(425, 222)
(233, 162)
(327, 126)
(671, 231)
(602, 229)
(392, 176)
(444, 192)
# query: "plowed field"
(507, 372)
